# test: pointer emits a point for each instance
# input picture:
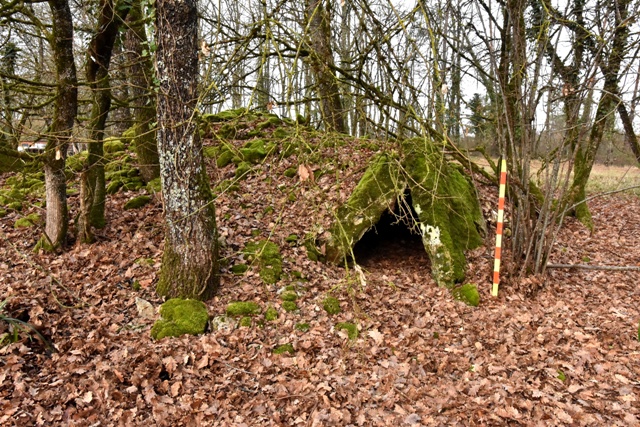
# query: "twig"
(596, 267)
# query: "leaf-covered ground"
(558, 351)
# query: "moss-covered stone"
(253, 151)
(350, 328)
(239, 269)
(27, 221)
(114, 186)
(154, 186)
(269, 259)
(113, 145)
(137, 202)
(284, 348)
(271, 314)
(291, 172)
(280, 133)
(291, 238)
(3, 213)
(375, 193)
(15, 206)
(449, 215)
(179, 317)
(224, 116)
(224, 158)
(302, 327)
(467, 293)
(210, 152)
(289, 306)
(243, 170)
(245, 322)
(331, 305)
(75, 163)
(243, 308)
(447, 207)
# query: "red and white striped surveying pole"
(496, 265)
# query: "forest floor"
(559, 350)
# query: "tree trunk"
(64, 114)
(190, 261)
(322, 64)
(92, 190)
(144, 104)
(586, 154)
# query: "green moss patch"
(243, 308)
(284, 348)
(467, 293)
(271, 314)
(27, 221)
(269, 259)
(289, 306)
(375, 193)
(113, 145)
(179, 317)
(289, 296)
(154, 186)
(137, 202)
(245, 322)
(349, 328)
(331, 305)
(302, 327)
(239, 269)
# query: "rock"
(179, 317)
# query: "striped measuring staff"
(496, 265)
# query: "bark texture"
(144, 103)
(92, 190)
(190, 261)
(64, 114)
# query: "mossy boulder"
(448, 213)
(27, 221)
(243, 308)
(243, 170)
(179, 317)
(467, 293)
(267, 254)
(376, 192)
(448, 210)
(253, 151)
(113, 145)
(154, 186)
(137, 202)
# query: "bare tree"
(190, 260)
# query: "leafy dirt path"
(562, 352)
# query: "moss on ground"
(245, 322)
(302, 327)
(179, 317)
(331, 305)
(467, 293)
(239, 269)
(243, 308)
(289, 306)
(269, 259)
(350, 328)
(28, 221)
(271, 314)
(284, 348)
(289, 296)
(137, 202)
